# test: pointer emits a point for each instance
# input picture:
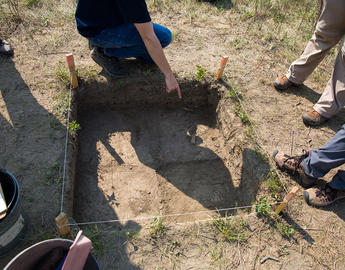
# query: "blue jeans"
(124, 41)
(331, 155)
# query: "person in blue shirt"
(123, 29)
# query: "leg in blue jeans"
(321, 161)
(124, 41)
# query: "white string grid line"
(66, 148)
(165, 216)
(168, 215)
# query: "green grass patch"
(231, 228)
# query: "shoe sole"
(279, 87)
(308, 122)
(306, 197)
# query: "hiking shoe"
(283, 83)
(313, 118)
(323, 196)
(110, 64)
(5, 48)
(293, 166)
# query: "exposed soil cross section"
(160, 158)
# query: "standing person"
(330, 29)
(315, 164)
(122, 29)
(5, 48)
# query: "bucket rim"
(66, 243)
(13, 204)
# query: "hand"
(172, 84)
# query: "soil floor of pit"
(136, 163)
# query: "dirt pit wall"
(142, 152)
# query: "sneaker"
(5, 48)
(323, 196)
(293, 166)
(313, 118)
(283, 83)
(110, 64)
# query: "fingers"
(179, 94)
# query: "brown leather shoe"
(322, 196)
(293, 166)
(313, 118)
(283, 83)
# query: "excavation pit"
(144, 153)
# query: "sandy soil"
(134, 170)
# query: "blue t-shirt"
(94, 16)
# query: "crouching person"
(123, 29)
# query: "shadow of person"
(337, 207)
(144, 159)
(29, 146)
(221, 4)
(305, 92)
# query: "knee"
(164, 36)
(168, 38)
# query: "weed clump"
(201, 72)
(158, 229)
(232, 229)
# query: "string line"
(166, 216)
(66, 147)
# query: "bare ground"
(32, 144)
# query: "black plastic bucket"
(13, 226)
(29, 257)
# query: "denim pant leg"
(338, 181)
(321, 161)
(124, 41)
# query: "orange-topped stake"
(222, 67)
(62, 225)
(73, 72)
(287, 198)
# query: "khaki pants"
(330, 29)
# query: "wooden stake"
(287, 198)
(71, 67)
(222, 67)
(62, 224)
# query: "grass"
(96, 236)
(54, 123)
(63, 76)
(263, 207)
(53, 175)
(274, 185)
(74, 127)
(201, 72)
(61, 105)
(157, 227)
(232, 229)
